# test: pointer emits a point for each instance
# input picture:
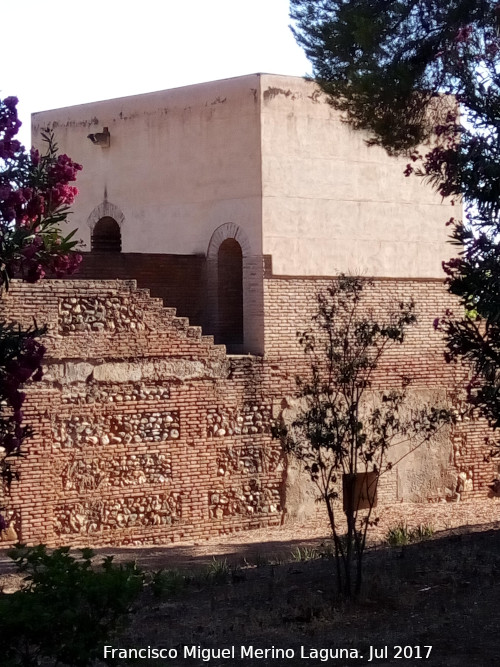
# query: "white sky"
(62, 52)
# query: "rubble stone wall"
(177, 279)
(145, 432)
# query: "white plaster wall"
(332, 204)
(264, 152)
(181, 163)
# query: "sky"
(58, 53)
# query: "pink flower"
(30, 250)
(11, 103)
(5, 191)
(62, 195)
(463, 34)
(66, 264)
(64, 170)
(35, 157)
(35, 207)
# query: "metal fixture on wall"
(100, 138)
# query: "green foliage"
(35, 199)
(302, 554)
(67, 609)
(218, 570)
(412, 71)
(167, 583)
(422, 532)
(342, 427)
(383, 62)
(35, 196)
(401, 535)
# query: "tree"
(35, 196)
(344, 432)
(415, 71)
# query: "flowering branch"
(35, 196)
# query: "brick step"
(169, 314)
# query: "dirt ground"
(262, 592)
(441, 594)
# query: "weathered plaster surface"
(180, 163)
(264, 153)
(332, 204)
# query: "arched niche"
(99, 224)
(234, 306)
(230, 292)
(106, 236)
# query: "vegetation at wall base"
(343, 430)
(401, 535)
(438, 592)
(415, 71)
(67, 609)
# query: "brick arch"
(249, 330)
(228, 231)
(105, 210)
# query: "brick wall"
(146, 432)
(452, 467)
(180, 280)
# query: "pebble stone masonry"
(148, 433)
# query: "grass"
(218, 570)
(401, 535)
(302, 554)
(167, 583)
(441, 592)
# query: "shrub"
(341, 429)
(66, 610)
